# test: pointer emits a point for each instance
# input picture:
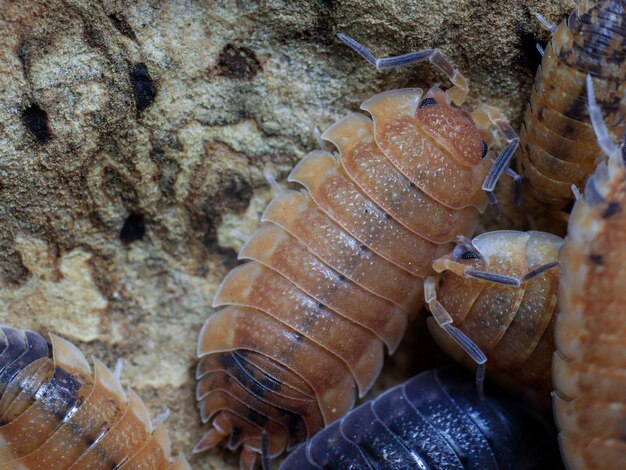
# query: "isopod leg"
(265, 455)
(270, 177)
(444, 320)
(430, 294)
(484, 116)
(540, 49)
(247, 459)
(517, 186)
(457, 93)
(210, 439)
(547, 24)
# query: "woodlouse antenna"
(576, 192)
(483, 116)
(473, 351)
(444, 320)
(537, 271)
(493, 277)
(457, 93)
(599, 127)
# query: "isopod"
(55, 414)
(557, 143)
(435, 420)
(589, 366)
(499, 293)
(338, 269)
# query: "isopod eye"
(485, 149)
(427, 101)
(470, 255)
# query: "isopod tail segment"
(484, 117)
(442, 316)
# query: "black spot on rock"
(120, 23)
(611, 209)
(238, 63)
(36, 120)
(239, 189)
(12, 269)
(528, 55)
(134, 228)
(143, 86)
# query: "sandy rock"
(134, 137)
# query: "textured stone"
(134, 137)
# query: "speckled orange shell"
(337, 271)
(557, 144)
(55, 414)
(513, 326)
(589, 367)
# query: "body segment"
(589, 366)
(557, 143)
(435, 420)
(337, 271)
(57, 414)
(513, 325)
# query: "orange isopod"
(557, 143)
(500, 292)
(338, 269)
(589, 366)
(54, 414)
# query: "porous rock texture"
(133, 139)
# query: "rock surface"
(134, 136)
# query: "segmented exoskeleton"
(557, 143)
(500, 291)
(435, 420)
(338, 269)
(589, 366)
(54, 414)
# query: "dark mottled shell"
(433, 421)
(56, 414)
(557, 144)
(589, 367)
(337, 271)
(513, 326)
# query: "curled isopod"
(558, 148)
(55, 414)
(338, 268)
(589, 366)
(435, 420)
(497, 296)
